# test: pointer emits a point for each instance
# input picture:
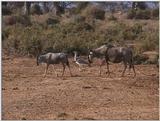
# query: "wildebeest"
(54, 58)
(115, 55)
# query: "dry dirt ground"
(27, 95)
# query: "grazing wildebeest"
(115, 55)
(80, 61)
(54, 58)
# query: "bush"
(35, 9)
(52, 21)
(131, 14)
(77, 27)
(9, 20)
(94, 12)
(21, 19)
(140, 59)
(137, 28)
(78, 18)
(147, 42)
(112, 18)
(155, 13)
(6, 10)
(76, 35)
(139, 14)
(143, 14)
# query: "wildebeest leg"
(108, 72)
(46, 70)
(100, 67)
(125, 66)
(134, 70)
(55, 70)
(63, 69)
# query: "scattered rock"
(87, 87)
(23, 118)
(62, 114)
(3, 88)
(106, 88)
(88, 118)
(15, 88)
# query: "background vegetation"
(31, 28)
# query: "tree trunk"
(27, 6)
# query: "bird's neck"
(75, 57)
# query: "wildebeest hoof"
(56, 75)
(44, 76)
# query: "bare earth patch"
(27, 95)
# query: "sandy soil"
(27, 95)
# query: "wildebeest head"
(39, 59)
